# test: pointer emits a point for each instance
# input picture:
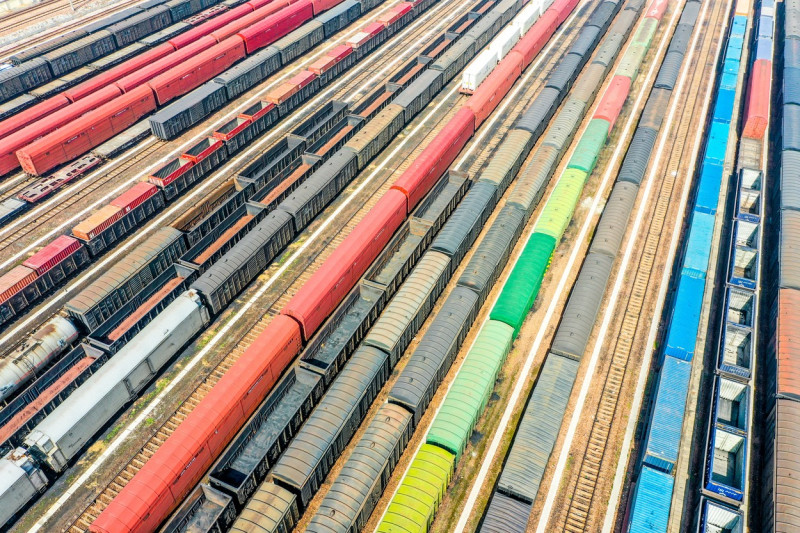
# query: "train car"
(29, 358)
(74, 423)
(95, 127)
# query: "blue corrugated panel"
(727, 81)
(765, 26)
(764, 49)
(731, 66)
(791, 53)
(723, 109)
(708, 188)
(664, 438)
(718, 142)
(652, 502)
(739, 25)
(698, 247)
(682, 334)
(791, 127)
(791, 85)
(735, 43)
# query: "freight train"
(779, 400)
(23, 285)
(651, 501)
(68, 125)
(238, 393)
(125, 373)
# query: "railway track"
(593, 472)
(310, 263)
(358, 82)
(44, 11)
(81, 190)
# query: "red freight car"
(564, 7)
(536, 38)
(52, 254)
(42, 109)
(285, 90)
(135, 196)
(170, 171)
(437, 156)
(92, 129)
(269, 30)
(756, 113)
(148, 72)
(495, 87)
(657, 9)
(232, 28)
(614, 98)
(320, 295)
(183, 459)
(51, 122)
(197, 70)
(118, 72)
(322, 65)
(323, 5)
(13, 281)
(93, 226)
(210, 26)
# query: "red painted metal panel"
(756, 111)
(536, 38)
(197, 70)
(275, 26)
(181, 461)
(613, 99)
(563, 8)
(133, 197)
(788, 344)
(150, 71)
(322, 65)
(241, 124)
(267, 107)
(202, 149)
(32, 114)
(418, 179)
(657, 9)
(82, 90)
(340, 52)
(91, 130)
(210, 26)
(374, 28)
(281, 93)
(320, 295)
(495, 87)
(98, 222)
(170, 171)
(62, 247)
(15, 280)
(324, 5)
(51, 122)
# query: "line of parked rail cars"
(780, 397)
(115, 383)
(106, 308)
(23, 285)
(240, 391)
(729, 437)
(652, 499)
(298, 473)
(45, 137)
